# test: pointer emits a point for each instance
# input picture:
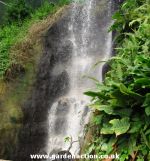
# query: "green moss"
(14, 96)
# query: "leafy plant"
(122, 101)
(18, 11)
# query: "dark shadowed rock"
(47, 88)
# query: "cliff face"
(55, 74)
(33, 134)
(17, 87)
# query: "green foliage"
(131, 15)
(17, 11)
(63, 2)
(122, 100)
(16, 31)
(67, 139)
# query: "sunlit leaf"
(120, 126)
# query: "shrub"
(122, 102)
(18, 11)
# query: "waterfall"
(90, 42)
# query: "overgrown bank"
(121, 102)
(18, 20)
(22, 54)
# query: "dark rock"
(47, 88)
(105, 69)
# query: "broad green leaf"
(135, 21)
(135, 127)
(104, 147)
(92, 94)
(112, 141)
(97, 119)
(106, 129)
(117, 16)
(145, 139)
(121, 98)
(95, 94)
(123, 112)
(120, 126)
(126, 91)
(147, 100)
(147, 132)
(146, 104)
(147, 111)
(106, 108)
(132, 144)
(146, 122)
(142, 81)
(140, 159)
(123, 157)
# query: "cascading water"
(87, 34)
(57, 107)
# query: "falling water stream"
(57, 107)
(87, 33)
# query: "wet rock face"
(118, 1)
(105, 69)
(52, 82)
(49, 85)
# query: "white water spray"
(69, 114)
